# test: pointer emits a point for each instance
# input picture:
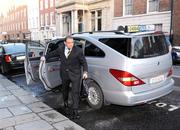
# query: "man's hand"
(85, 75)
(43, 58)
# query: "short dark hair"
(68, 37)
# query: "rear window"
(14, 48)
(121, 45)
(150, 46)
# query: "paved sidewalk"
(19, 110)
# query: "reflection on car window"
(79, 42)
(35, 49)
(150, 46)
(92, 50)
(121, 45)
(14, 48)
(54, 46)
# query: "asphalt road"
(160, 114)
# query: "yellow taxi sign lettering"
(139, 28)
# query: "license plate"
(157, 79)
(20, 57)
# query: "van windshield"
(149, 46)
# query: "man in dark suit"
(72, 61)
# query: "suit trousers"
(67, 78)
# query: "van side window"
(121, 45)
(79, 42)
(54, 46)
(92, 50)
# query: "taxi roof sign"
(139, 28)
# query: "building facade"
(14, 26)
(176, 23)
(33, 19)
(83, 15)
(47, 19)
(143, 12)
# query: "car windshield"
(149, 46)
(121, 45)
(14, 48)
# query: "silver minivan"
(124, 69)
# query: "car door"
(50, 69)
(1, 54)
(34, 51)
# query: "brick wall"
(118, 8)
(176, 23)
(164, 5)
(139, 7)
(15, 22)
(46, 11)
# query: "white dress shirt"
(66, 50)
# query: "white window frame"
(42, 19)
(52, 18)
(46, 4)
(51, 3)
(152, 11)
(124, 9)
(47, 19)
(41, 5)
(96, 19)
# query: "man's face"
(69, 43)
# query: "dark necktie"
(69, 52)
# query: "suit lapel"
(63, 49)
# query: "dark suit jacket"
(73, 63)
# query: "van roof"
(114, 34)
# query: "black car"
(12, 56)
(176, 54)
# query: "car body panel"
(16, 51)
(32, 61)
(146, 69)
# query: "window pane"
(93, 51)
(128, 7)
(121, 45)
(93, 21)
(150, 46)
(14, 48)
(99, 13)
(153, 5)
(99, 24)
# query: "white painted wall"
(33, 18)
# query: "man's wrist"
(85, 72)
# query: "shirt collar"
(67, 48)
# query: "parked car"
(176, 54)
(124, 69)
(12, 56)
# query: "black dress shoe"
(65, 104)
(66, 108)
(76, 114)
(84, 95)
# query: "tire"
(95, 95)
(3, 69)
